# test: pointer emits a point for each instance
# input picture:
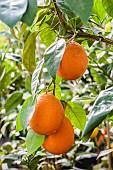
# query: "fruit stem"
(54, 87)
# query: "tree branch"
(92, 37)
(81, 34)
(59, 13)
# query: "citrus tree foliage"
(30, 54)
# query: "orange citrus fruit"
(74, 62)
(94, 133)
(48, 115)
(61, 141)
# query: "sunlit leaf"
(53, 56)
(76, 114)
(28, 84)
(99, 10)
(108, 6)
(33, 141)
(18, 123)
(46, 33)
(28, 57)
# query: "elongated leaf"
(99, 10)
(46, 33)
(34, 83)
(28, 57)
(11, 11)
(108, 6)
(28, 84)
(18, 123)
(75, 114)
(30, 13)
(105, 152)
(13, 101)
(27, 111)
(33, 141)
(53, 56)
(101, 108)
(81, 7)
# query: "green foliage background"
(32, 44)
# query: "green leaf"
(27, 111)
(28, 57)
(13, 101)
(53, 56)
(47, 35)
(65, 8)
(13, 157)
(75, 114)
(11, 11)
(105, 152)
(28, 84)
(99, 10)
(108, 6)
(82, 8)
(98, 76)
(5, 80)
(33, 141)
(58, 92)
(30, 13)
(18, 123)
(34, 82)
(101, 108)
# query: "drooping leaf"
(22, 32)
(28, 57)
(99, 10)
(34, 82)
(105, 152)
(108, 6)
(75, 114)
(18, 123)
(46, 33)
(53, 56)
(11, 11)
(33, 141)
(27, 111)
(82, 8)
(101, 108)
(30, 13)
(13, 101)
(65, 8)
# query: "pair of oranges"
(49, 118)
